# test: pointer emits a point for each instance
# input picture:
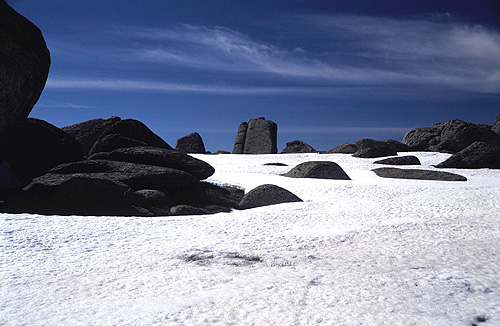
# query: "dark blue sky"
(326, 72)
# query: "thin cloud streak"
(343, 130)
(379, 51)
(139, 86)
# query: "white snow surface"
(370, 251)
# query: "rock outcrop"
(191, 143)
(34, 146)
(369, 148)
(345, 148)
(265, 195)
(450, 137)
(260, 137)
(478, 155)
(87, 132)
(496, 125)
(298, 146)
(318, 170)
(400, 160)
(418, 174)
(24, 67)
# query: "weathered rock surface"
(496, 125)
(260, 137)
(418, 174)
(318, 170)
(188, 210)
(191, 143)
(265, 195)
(398, 146)
(239, 142)
(400, 160)
(34, 146)
(369, 148)
(450, 137)
(475, 156)
(345, 148)
(298, 146)
(129, 129)
(87, 132)
(159, 157)
(24, 67)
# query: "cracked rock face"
(24, 66)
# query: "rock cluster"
(258, 136)
(451, 137)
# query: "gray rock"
(159, 157)
(265, 195)
(496, 125)
(369, 148)
(87, 132)
(420, 139)
(24, 67)
(239, 142)
(188, 210)
(399, 146)
(34, 146)
(478, 155)
(136, 176)
(298, 146)
(146, 198)
(457, 135)
(191, 143)
(450, 137)
(318, 170)
(345, 148)
(112, 142)
(261, 137)
(417, 174)
(400, 160)
(132, 129)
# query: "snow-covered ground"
(370, 251)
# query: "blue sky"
(327, 72)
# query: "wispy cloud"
(343, 130)
(358, 51)
(53, 104)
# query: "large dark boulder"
(450, 137)
(417, 174)
(129, 129)
(422, 138)
(265, 195)
(345, 148)
(369, 148)
(159, 157)
(260, 137)
(457, 135)
(137, 176)
(34, 146)
(475, 156)
(113, 142)
(191, 143)
(399, 146)
(400, 160)
(239, 142)
(24, 67)
(298, 146)
(318, 170)
(87, 132)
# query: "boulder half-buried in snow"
(267, 194)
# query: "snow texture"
(370, 251)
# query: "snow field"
(370, 251)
